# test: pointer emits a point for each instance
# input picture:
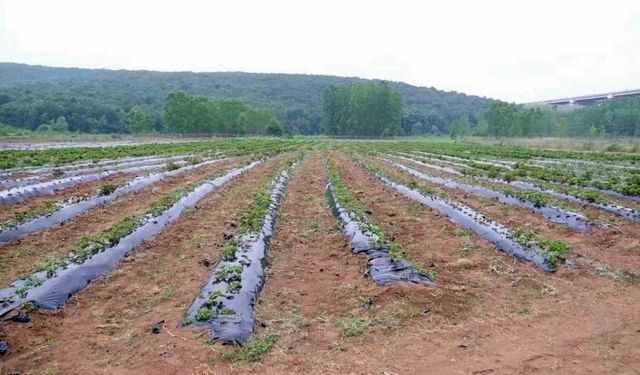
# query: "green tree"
(274, 128)
(139, 120)
(373, 109)
(460, 128)
(502, 119)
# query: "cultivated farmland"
(315, 256)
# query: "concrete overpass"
(585, 99)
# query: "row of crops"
(49, 191)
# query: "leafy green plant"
(229, 272)
(229, 251)
(537, 197)
(166, 201)
(171, 166)
(252, 220)
(21, 291)
(226, 311)
(50, 264)
(194, 160)
(234, 286)
(554, 250)
(33, 281)
(203, 314)
(107, 189)
(31, 213)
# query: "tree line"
(184, 113)
(106, 101)
(100, 101)
(617, 117)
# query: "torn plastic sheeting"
(69, 211)
(609, 207)
(55, 291)
(233, 318)
(490, 230)
(19, 194)
(557, 215)
(382, 268)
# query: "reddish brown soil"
(498, 316)
(18, 258)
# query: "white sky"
(512, 50)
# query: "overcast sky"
(512, 50)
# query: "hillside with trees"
(119, 101)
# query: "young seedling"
(203, 314)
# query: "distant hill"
(97, 100)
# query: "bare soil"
(490, 314)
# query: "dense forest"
(102, 101)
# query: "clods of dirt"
(205, 262)
(157, 328)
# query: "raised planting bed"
(69, 172)
(412, 158)
(58, 279)
(225, 303)
(555, 214)
(62, 211)
(543, 254)
(49, 169)
(387, 261)
(584, 197)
